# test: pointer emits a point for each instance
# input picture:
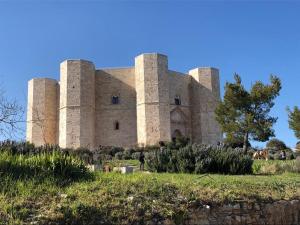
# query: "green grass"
(131, 162)
(115, 198)
(275, 166)
(41, 166)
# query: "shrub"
(218, 159)
(178, 143)
(104, 157)
(136, 155)
(119, 155)
(200, 159)
(186, 159)
(108, 150)
(148, 148)
(84, 154)
(127, 154)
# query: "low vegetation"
(54, 187)
(276, 166)
(200, 159)
(126, 199)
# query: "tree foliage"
(276, 144)
(235, 141)
(294, 120)
(245, 114)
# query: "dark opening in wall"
(117, 125)
(115, 100)
(177, 100)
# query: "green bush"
(219, 159)
(108, 150)
(127, 154)
(178, 143)
(200, 159)
(119, 155)
(136, 155)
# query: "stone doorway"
(176, 134)
(178, 124)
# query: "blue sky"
(254, 39)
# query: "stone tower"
(42, 118)
(205, 95)
(77, 104)
(152, 99)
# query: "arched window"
(177, 100)
(117, 125)
(115, 99)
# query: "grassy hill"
(55, 188)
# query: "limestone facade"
(134, 106)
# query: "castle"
(135, 106)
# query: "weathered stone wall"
(42, 121)
(277, 213)
(77, 104)
(153, 108)
(205, 95)
(180, 114)
(118, 82)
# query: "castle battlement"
(128, 106)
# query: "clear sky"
(254, 39)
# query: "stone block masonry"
(127, 107)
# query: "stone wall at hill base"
(277, 213)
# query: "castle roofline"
(204, 67)
(115, 68)
(81, 60)
(152, 53)
(43, 78)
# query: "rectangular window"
(115, 100)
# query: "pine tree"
(294, 121)
(245, 114)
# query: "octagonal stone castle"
(135, 106)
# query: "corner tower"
(42, 111)
(152, 93)
(205, 95)
(77, 104)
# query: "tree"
(11, 114)
(245, 114)
(235, 141)
(294, 120)
(276, 144)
